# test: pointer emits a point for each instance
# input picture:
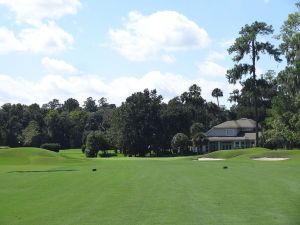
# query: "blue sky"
(71, 48)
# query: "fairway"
(41, 187)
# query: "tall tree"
(248, 44)
(31, 135)
(137, 123)
(70, 105)
(216, 93)
(283, 126)
(54, 104)
(243, 99)
(90, 105)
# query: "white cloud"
(58, 65)
(81, 87)
(168, 58)
(211, 69)
(34, 11)
(215, 55)
(44, 38)
(152, 36)
(8, 41)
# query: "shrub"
(55, 147)
(90, 153)
(95, 142)
(180, 143)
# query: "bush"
(55, 147)
(90, 153)
(180, 143)
(95, 142)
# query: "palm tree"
(216, 93)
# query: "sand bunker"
(270, 159)
(209, 159)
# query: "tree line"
(144, 124)
(141, 124)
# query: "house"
(230, 135)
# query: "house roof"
(241, 123)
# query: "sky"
(74, 48)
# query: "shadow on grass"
(40, 171)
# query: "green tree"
(283, 126)
(90, 105)
(197, 136)
(216, 93)
(137, 123)
(290, 36)
(243, 100)
(176, 118)
(70, 105)
(58, 127)
(95, 142)
(180, 143)
(196, 128)
(54, 104)
(78, 120)
(248, 44)
(31, 135)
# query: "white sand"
(209, 159)
(270, 159)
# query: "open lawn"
(39, 187)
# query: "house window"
(229, 132)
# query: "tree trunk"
(255, 94)
(218, 101)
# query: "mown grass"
(148, 190)
(253, 153)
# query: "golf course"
(43, 187)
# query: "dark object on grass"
(94, 169)
(225, 167)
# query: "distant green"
(39, 187)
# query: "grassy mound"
(21, 156)
(250, 153)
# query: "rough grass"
(147, 191)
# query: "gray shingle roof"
(241, 123)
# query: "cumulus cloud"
(155, 35)
(58, 65)
(8, 41)
(34, 11)
(211, 69)
(117, 90)
(39, 33)
(44, 38)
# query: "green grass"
(254, 153)
(148, 191)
